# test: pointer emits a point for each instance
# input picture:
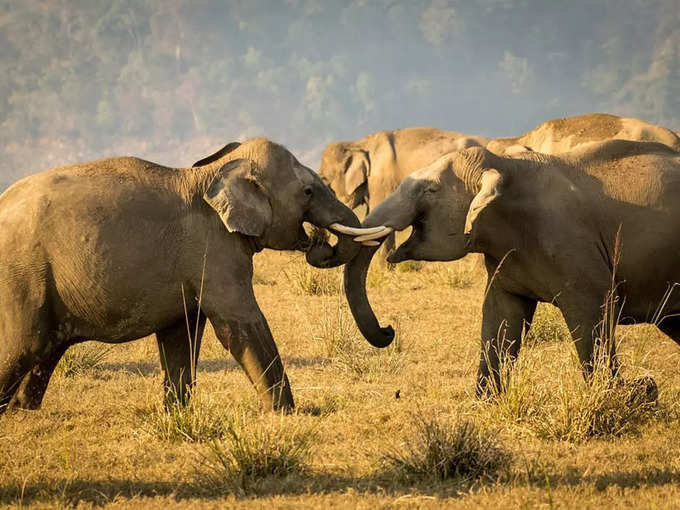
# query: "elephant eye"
(308, 191)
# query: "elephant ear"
(356, 172)
(490, 189)
(214, 157)
(240, 201)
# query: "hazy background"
(174, 80)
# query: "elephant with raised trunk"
(366, 171)
(117, 249)
(596, 226)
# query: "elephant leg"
(503, 318)
(179, 346)
(251, 343)
(592, 329)
(34, 384)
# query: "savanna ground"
(102, 437)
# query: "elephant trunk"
(355, 290)
(395, 213)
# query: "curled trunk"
(355, 290)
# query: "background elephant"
(561, 135)
(366, 171)
(562, 230)
(121, 248)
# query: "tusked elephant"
(561, 135)
(366, 171)
(120, 248)
(599, 222)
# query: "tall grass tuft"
(251, 450)
(81, 359)
(200, 420)
(555, 402)
(449, 450)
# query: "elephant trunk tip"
(384, 338)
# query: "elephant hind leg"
(179, 348)
(34, 384)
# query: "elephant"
(120, 248)
(366, 171)
(594, 231)
(562, 135)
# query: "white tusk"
(387, 231)
(371, 243)
(355, 231)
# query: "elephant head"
(345, 167)
(260, 190)
(441, 203)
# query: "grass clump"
(569, 408)
(442, 451)
(81, 359)
(604, 408)
(200, 420)
(254, 449)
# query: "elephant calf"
(570, 230)
(116, 249)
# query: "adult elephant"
(366, 171)
(565, 230)
(117, 249)
(561, 135)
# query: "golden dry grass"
(99, 439)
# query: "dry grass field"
(102, 437)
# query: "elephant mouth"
(310, 236)
(403, 251)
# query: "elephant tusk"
(377, 235)
(354, 231)
(370, 243)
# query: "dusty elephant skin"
(548, 228)
(366, 171)
(561, 135)
(113, 249)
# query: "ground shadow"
(99, 492)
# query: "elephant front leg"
(252, 345)
(503, 318)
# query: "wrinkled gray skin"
(115, 249)
(366, 171)
(547, 227)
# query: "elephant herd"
(583, 212)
